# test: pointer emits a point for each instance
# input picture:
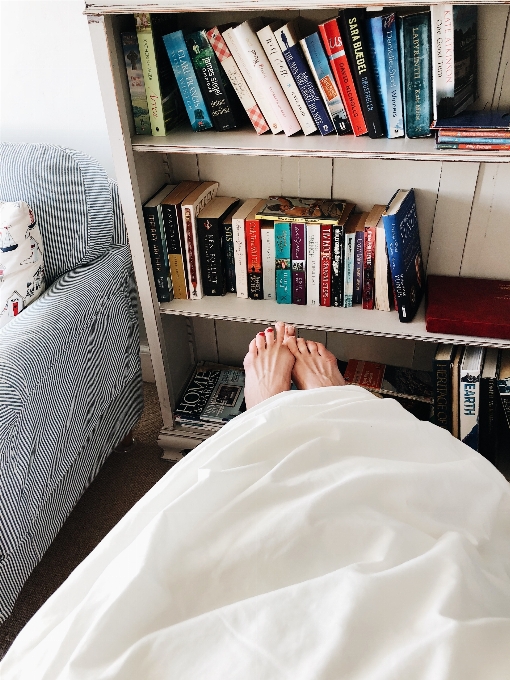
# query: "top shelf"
(245, 142)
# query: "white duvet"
(323, 534)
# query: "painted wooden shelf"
(350, 320)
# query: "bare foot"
(315, 366)
(268, 366)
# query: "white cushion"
(21, 259)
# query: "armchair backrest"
(75, 204)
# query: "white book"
(256, 60)
(280, 67)
(268, 262)
(241, 267)
(349, 269)
(260, 96)
(438, 29)
(381, 263)
(313, 264)
(191, 206)
(469, 397)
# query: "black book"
(227, 235)
(443, 364)
(504, 400)
(156, 240)
(338, 257)
(352, 29)
(209, 220)
(490, 407)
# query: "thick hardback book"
(382, 275)
(454, 49)
(191, 207)
(298, 262)
(260, 95)
(351, 22)
(210, 244)
(326, 251)
(319, 210)
(337, 258)
(253, 227)
(136, 83)
(442, 368)
(219, 97)
(174, 232)
(282, 240)
(468, 306)
(256, 60)
(359, 257)
(496, 121)
(313, 264)
(334, 48)
(165, 104)
(369, 255)
(414, 37)
(227, 398)
(281, 68)
(354, 225)
(197, 393)
(489, 414)
(400, 221)
(227, 237)
(391, 380)
(268, 261)
(187, 81)
(238, 227)
(383, 42)
(288, 38)
(156, 241)
(469, 396)
(319, 66)
(237, 80)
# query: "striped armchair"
(70, 378)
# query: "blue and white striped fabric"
(70, 377)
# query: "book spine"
(351, 29)
(326, 265)
(382, 274)
(395, 108)
(255, 58)
(209, 244)
(187, 81)
(254, 259)
(313, 264)
(443, 393)
(394, 245)
(209, 78)
(375, 42)
(350, 240)
(319, 67)
(237, 80)
(189, 213)
(416, 74)
(337, 266)
(333, 45)
(357, 293)
(175, 250)
(291, 90)
(437, 54)
(268, 263)
(282, 262)
(368, 268)
(295, 59)
(480, 132)
(488, 443)
(227, 239)
(298, 262)
(469, 407)
(150, 73)
(475, 147)
(495, 141)
(136, 83)
(159, 263)
(240, 258)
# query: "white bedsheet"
(323, 534)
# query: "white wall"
(49, 90)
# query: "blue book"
(404, 252)
(288, 40)
(414, 38)
(496, 120)
(282, 242)
(187, 81)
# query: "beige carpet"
(122, 481)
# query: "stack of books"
(474, 130)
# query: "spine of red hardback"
(254, 259)
(298, 262)
(368, 268)
(325, 265)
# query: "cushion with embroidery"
(21, 259)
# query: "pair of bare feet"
(275, 357)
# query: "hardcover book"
(442, 369)
(400, 221)
(165, 104)
(218, 97)
(268, 261)
(495, 121)
(286, 209)
(136, 83)
(187, 81)
(504, 389)
(313, 259)
(238, 227)
(174, 232)
(334, 48)
(282, 240)
(156, 240)
(337, 257)
(211, 244)
(191, 207)
(298, 262)
(325, 276)
(227, 398)
(351, 22)
(468, 306)
(288, 38)
(470, 374)
(253, 226)
(227, 238)
(391, 380)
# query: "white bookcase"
(463, 201)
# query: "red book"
(463, 306)
(368, 294)
(333, 46)
(325, 277)
(254, 253)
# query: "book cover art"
(268, 261)
(227, 398)
(325, 276)
(391, 380)
(197, 393)
(298, 262)
(136, 83)
(313, 260)
(282, 239)
(320, 210)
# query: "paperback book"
(313, 245)
(286, 209)
(156, 240)
(442, 368)
(268, 261)
(239, 235)
(298, 262)
(282, 239)
(337, 257)
(136, 83)
(469, 404)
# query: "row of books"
(291, 250)
(386, 73)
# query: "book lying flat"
(495, 120)
(391, 380)
(286, 209)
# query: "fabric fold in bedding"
(323, 534)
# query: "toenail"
(269, 330)
(261, 333)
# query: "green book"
(414, 38)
